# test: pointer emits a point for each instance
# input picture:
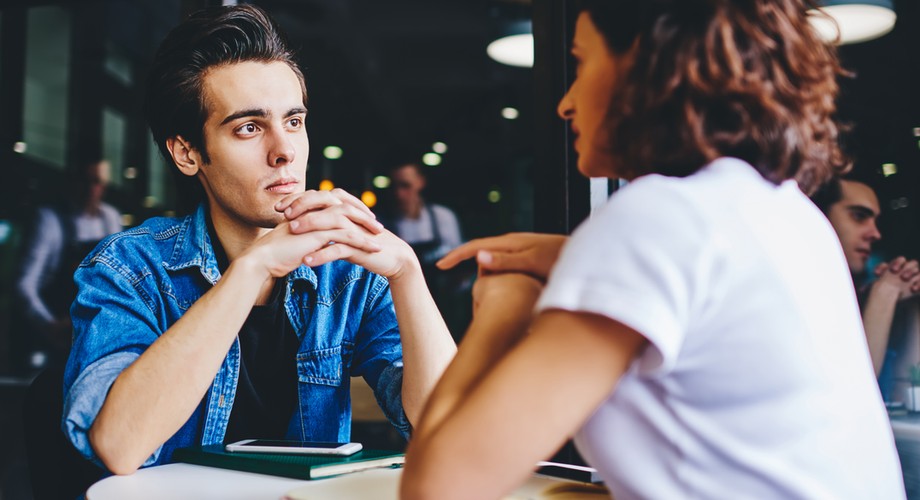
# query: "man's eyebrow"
(296, 111)
(259, 113)
(862, 210)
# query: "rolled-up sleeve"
(378, 354)
(113, 324)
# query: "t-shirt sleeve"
(639, 260)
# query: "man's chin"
(271, 222)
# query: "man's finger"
(353, 238)
(295, 205)
(880, 269)
(341, 215)
(340, 250)
(897, 263)
(348, 198)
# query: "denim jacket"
(139, 282)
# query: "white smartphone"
(297, 447)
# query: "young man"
(852, 209)
(212, 328)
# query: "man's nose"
(873, 233)
(282, 149)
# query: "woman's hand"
(529, 253)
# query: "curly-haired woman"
(699, 335)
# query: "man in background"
(853, 208)
(60, 237)
(432, 230)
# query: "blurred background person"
(432, 231)
(61, 235)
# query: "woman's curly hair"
(710, 78)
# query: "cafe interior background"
(388, 81)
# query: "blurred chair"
(56, 469)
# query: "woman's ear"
(184, 155)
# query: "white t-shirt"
(756, 382)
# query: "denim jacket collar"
(199, 252)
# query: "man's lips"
(284, 186)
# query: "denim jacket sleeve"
(378, 354)
(113, 323)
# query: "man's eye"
(295, 122)
(248, 128)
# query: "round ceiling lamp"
(515, 47)
(853, 21)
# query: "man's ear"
(184, 155)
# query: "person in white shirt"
(699, 335)
(432, 230)
(58, 240)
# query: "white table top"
(187, 482)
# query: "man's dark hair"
(175, 103)
(742, 78)
(828, 194)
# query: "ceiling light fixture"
(332, 152)
(853, 21)
(515, 47)
(431, 159)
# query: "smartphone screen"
(291, 444)
(298, 447)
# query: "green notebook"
(287, 465)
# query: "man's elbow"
(116, 458)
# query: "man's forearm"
(426, 342)
(877, 316)
(154, 396)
